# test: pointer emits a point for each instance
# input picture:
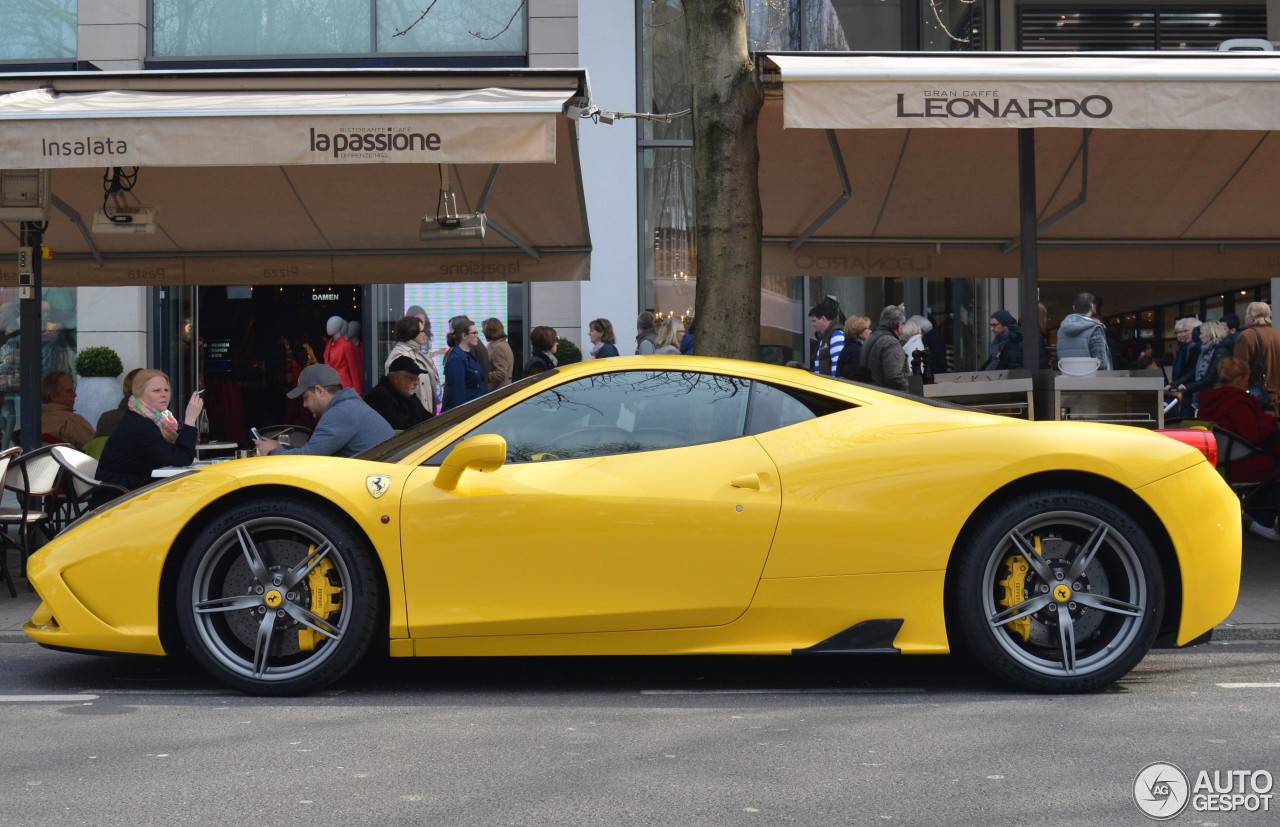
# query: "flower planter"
(96, 395)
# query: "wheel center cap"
(273, 598)
(1062, 592)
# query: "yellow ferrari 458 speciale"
(666, 505)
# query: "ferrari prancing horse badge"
(377, 484)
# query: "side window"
(621, 413)
(773, 407)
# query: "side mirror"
(486, 452)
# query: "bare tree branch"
(425, 12)
(494, 36)
(504, 28)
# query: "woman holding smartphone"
(149, 436)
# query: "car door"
(628, 501)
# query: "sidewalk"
(1255, 617)
(1257, 612)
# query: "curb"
(1246, 631)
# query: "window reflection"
(196, 28)
(38, 30)
(621, 413)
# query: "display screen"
(476, 300)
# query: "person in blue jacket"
(463, 374)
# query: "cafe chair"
(34, 478)
(6, 540)
(80, 483)
(94, 446)
(1233, 451)
(1255, 483)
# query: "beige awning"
(1183, 176)
(317, 177)
(1012, 89)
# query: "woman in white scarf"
(410, 337)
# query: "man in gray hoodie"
(1082, 334)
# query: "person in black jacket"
(1006, 347)
(544, 341)
(857, 329)
(395, 397)
(149, 436)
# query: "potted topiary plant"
(567, 352)
(98, 388)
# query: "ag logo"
(1161, 791)
(377, 484)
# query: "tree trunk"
(726, 161)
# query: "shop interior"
(253, 342)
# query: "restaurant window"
(865, 25)
(955, 26)
(58, 347)
(41, 30)
(1115, 28)
(238, 28)
(457, 26)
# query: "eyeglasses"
(993, 324)
(473, 333)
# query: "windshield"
(404, 444)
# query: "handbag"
(1258, 390)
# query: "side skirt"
(870, 637)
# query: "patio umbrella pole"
(31, 325)
(1029, 282)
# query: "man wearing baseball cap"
(395, 398)
(346, 424)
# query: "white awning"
(1219, 91)
(44, 128)
(302, 176)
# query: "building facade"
(637, 173)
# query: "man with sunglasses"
(1006, 342)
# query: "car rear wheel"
(278, 597)
(1058, 591)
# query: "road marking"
(158, 691)
(903, 691)
(31, 699)
(1265, 685)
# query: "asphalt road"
(623, 741)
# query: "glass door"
(175, 333)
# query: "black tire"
(1095, 567)
(278, 597)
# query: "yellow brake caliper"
(1015, 589)
(326, 598)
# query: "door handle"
(755, 482)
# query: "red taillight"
(1198, 438)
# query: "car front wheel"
(278, 597)
(1058, 591)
